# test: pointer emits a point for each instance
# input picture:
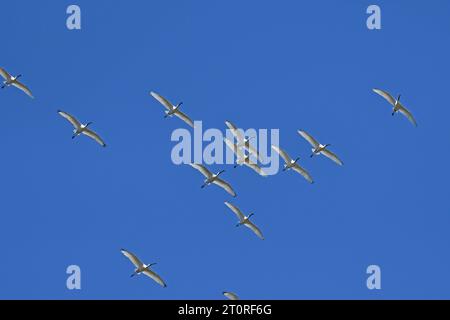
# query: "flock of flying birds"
(244, 151)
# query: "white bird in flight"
(80, 128)
(143, 268)
(172, 110)
(319, 148)
(241, 140)
(230, 295)
(292, 164)
(245, 220)
(213, 178)
(398, 107)
(243, 159)
(12, 81)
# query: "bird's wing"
(225, 185)
(303, 172)
(155, 277)
(230, 295)
(5, 74)
(184, 117)
(236, 211)
(134, 260)
(234, 130)
(282, 153)
(71, 119)
(253, 151)
(162, 100)
(22, 87)
(407, 114)
(237, 151)
(202, 169)
(95, 136)
(256, 168)
(255, 229)
(313, 142)
(385, 95)
(330, 155)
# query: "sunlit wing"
(283, 154)
(330, 155)
(236, 211)
(230, 295)
(5, 74)
(235, 131)
(313, 142)
(303, 172)
(202, 169)
(155, 277)
(22, 87)
(184, 117)
(134, 260)
(236, 150)
(256, 168)
(76, 124)
(163, 101)
(225, 185)
(253, 151)
(408, 115)
(386, 96)
(254, 228)
(95, 136)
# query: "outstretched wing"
(76, 124)
(24, 88)
(330, 155)
(162, 100)
(202, 169)
(303, 172)
(256, 168)
(225, 185)
(236, 211)
(155, 277)
(134, 260)
(95, 136)
(230, 295)
(408, 115)
(184, 117)
(282, 153)
(385, 95)
(236, 150)
(313, 142)
(5, 74)
(235, 131)
(254, 228)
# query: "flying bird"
(80, 128)
(245, 220)
(292, 164)
(143, 268)
(243, 159)
(230, 295)
(319, 148)
(213, 178)
(241, 140)
(172, 110)
(12, 81)
(398, 107)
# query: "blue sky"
(285, 65)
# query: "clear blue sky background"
(262, 64)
